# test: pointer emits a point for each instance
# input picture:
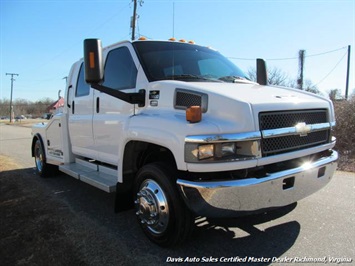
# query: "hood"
(236, 106)
(265, 98)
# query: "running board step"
(92, 174)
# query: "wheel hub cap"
(39, 158)
(152, 207)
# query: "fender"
(35, 137)
(142, 128)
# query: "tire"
(161, 212)
(42, 168)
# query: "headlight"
(205, 151)
(219, 152)
(226, 149)
(222, 148)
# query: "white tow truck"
(177, 130)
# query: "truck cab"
(177, 130)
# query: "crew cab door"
(80, 115)
(111, 114)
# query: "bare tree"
(25, 107)
(335, 94)
(275, 76)
(310, 87)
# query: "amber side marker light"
(92, 59)
(194, 114)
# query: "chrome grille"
(281, 144)
(273, 120)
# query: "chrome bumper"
(233, 197)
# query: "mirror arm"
(133, 98)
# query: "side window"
(82, 88)
(120, 70)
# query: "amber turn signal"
(92, 60)
(194, 114)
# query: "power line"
(328, 52)
(332, 69)
(289, 58)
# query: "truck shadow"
(90, 218)
(249, 237)
(259, 235)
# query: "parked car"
(20, 117)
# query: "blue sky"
(40, 39)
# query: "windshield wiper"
(187, 77)
(235, 79)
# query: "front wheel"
(160, 209)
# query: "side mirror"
(94, 71)
(261, 74)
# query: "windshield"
(188, 62)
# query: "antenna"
(173, 19)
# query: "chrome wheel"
(161, 212)
(39, 157)
(152, 207)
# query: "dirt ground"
(32, 232)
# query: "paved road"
(15, 142)
(321, 226)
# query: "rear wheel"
(160, 209)
(42, 168)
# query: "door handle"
(97, 105)
(68, 95)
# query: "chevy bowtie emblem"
(303, 129)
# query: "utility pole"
(347, 75)
(134, 17)
(12, 87)
(301, 55)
